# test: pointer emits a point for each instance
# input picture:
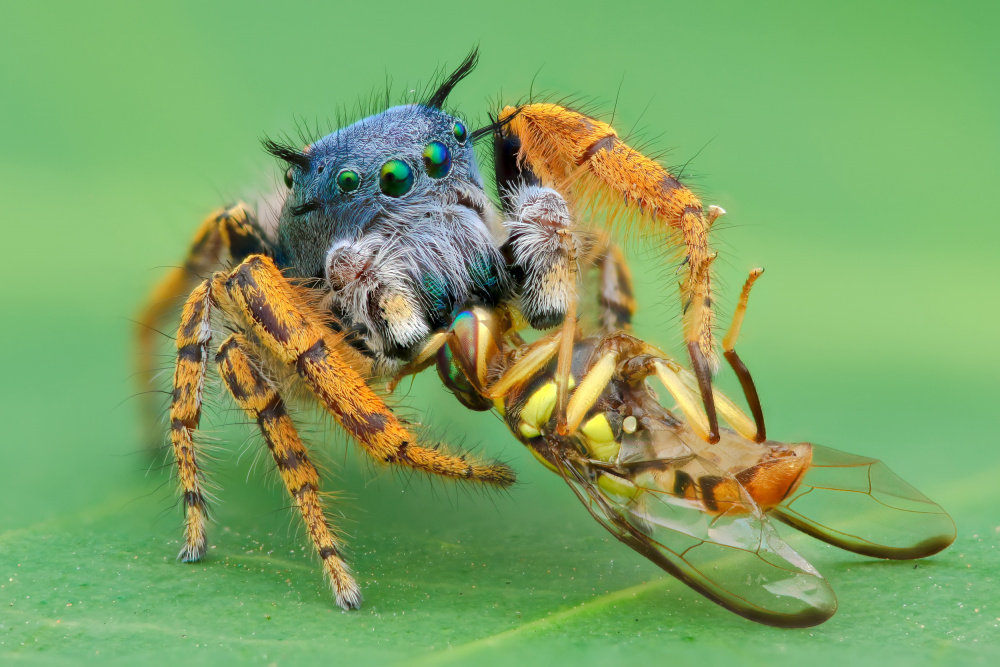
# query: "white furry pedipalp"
(544, 250)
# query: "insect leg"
(682, 384)
(425, 358)
(229, 234)
(193, 337)
(260, 399)
(671, 375)
(742, 373)
(534, 358)
(563, 367)
(591, 386)
(275, 313)
(698, 310)
(616, 299)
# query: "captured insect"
(699, 510)
(388, 257)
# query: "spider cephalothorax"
(404, 184)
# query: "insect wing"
(857, 503)
(732, 555)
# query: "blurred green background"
(855, 146)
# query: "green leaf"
(448, 580)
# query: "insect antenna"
(439, 96)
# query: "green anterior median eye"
(348, 180)
(460, 132)
(437, 160)
(396, 178)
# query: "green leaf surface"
(854, 146)
(441, 589)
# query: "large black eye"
(460, 132)
(437, 160)
(396, 178)
(288, 178)
(348, 180)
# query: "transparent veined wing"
(695, 520)
(857, 503)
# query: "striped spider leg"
(279, 331)
(224, 238)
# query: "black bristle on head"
(495, 127)
(437, 99)
(308, 207)
(287, 153)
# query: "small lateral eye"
(348, 180)
(288, 178)
(437, 160)
(395, 178)
(461, 134)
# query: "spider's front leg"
(256, 295)
(583, 158)
(281, 322)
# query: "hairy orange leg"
(255, 293)
(224, 235)
(260, 399)
(193, 338)
(570, 151)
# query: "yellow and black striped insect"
(386, 256)
(700, 510)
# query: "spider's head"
(398, 191)
(396, 164)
